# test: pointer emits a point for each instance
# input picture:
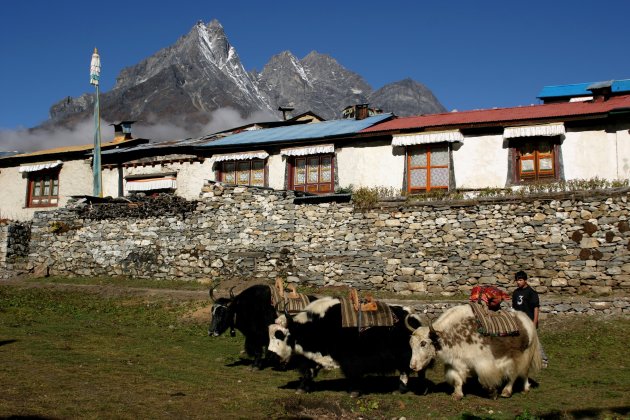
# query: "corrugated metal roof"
(313, 131)
(70, 149)
(157, 145)
(583, 89)
(621, 85)
(578, 89)
(556, 111)
(201, 141)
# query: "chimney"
(359, 112)
(122, 131)
(601, 90)
(285, 110)
(362, 111)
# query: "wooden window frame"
(38, 179)
(538, 175)
(427, 149)
(319, 187)
(221, 172)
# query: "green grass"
(67, 353)
(124, 282)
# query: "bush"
(365, 198)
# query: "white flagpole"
(95, 74)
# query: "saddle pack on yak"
(365, 313)
(485, 302)
(293, 302)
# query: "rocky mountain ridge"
(184, 83)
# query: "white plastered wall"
(276, 169)
(596, 153)
(480, 162)
(75, 178)
(364, 165)
(623, 152)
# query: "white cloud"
(159, 131)
(226, 118)
(29, 140)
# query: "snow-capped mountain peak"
(202, 72)
(218, 51)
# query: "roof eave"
(61, 154)
(502, 123)
(276, 143)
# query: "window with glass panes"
(43, 189)
(535, 159)
(313, 174)
(427, 167)
(243, 172)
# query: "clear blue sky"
(471, 54)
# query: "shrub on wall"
(365, 198)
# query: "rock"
(559, 282)
(42, 270)
(601, 290)
(589, 242)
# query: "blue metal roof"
(583, 89)
(578, 89)
(621, 85)
(297, 132)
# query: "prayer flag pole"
(95, 74)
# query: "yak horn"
(407, 324)
(434, 337)
(431, 329)
(211, 291)
(232, 292)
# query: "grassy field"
(104, 350)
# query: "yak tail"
(536, 363)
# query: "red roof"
(549, 112)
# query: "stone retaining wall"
(618, 306)
(569, 244)
(14, 247)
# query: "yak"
(317, 334)
(251, 312)
(455, 339)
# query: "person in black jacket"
(526, 299)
